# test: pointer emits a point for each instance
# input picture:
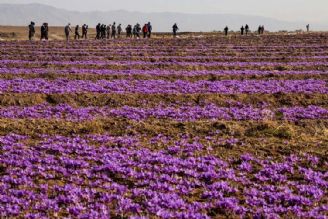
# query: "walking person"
(145, 30)
(67, 31)
(44, 32)
(308, 28)
(175, 29)
(246, 29)
(77, 33)
(103, 31)
(98, 30)
(242, 30)
(128, 30)
(150, 29)
(31, 31)
(119, 30)
(226, 30)
(136, 31)
(114, 30)
(85, 31)
(109, 26)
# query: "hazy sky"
(289, 10)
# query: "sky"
(288, 10)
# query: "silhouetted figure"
(308, 28)
(67, 31)
(103, 31)
(175, 29)
(77, 33)
(262, 29)
(226, 30)
(242, 30)
(98, 31)
(150, 29)
(119, 30)
(31, 30)
(246, 29)
(85, 31)
(259, 30)
(44, 31)
(128, 30)
(114, 30)
(145, 30)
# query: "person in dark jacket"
(98, 30)
(226, 30)
(85, 31)
(44, 31)
(114, 30)
(308, 27)
(150, 29)
(128, 30)
(246, 29)
(175, 29)
(242, 30)
(119, 30)
(136, 31)
(31, 30)
(77, 33)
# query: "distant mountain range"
(22, 14)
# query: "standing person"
(43, 32)
(98, 31)
(103, 31)
(108, 30)
(175, 29)
(137, 30)
(226, 30)
(67, 31)
(150, 29)
(262, 29)
(85, 31)
(134, 31)
(114, 30)
(145, 31)
(308, 28)
(77, 32)
(128, 30)
(119, 30)
(259, 30)
(246, 29)
(31, 31)
(242, 30)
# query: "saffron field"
(207, 127)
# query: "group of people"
(260, 30)
(77, 34)
(111, 31)
(104, 31)
(44, 31)
(244, 30)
